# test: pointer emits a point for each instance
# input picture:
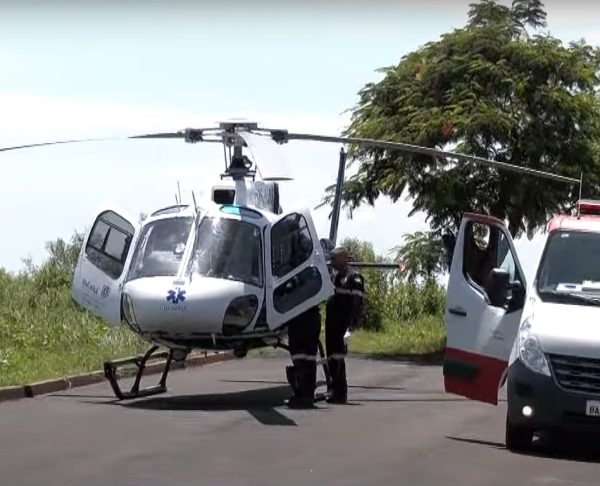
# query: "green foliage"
(390, 299)
(497, 88)
(375, 281)
(42, 333)
(64, 255)
(423, 254)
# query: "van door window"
(487, 248)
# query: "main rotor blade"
(191, 135)
(42, 144)
(428, 151)
(390, 266)
(161, 135)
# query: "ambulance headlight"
(530, 351)
(239, 314)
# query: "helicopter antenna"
(194, 199)
(226, 159)
(580, 192)
(179, 192)
(335, 217)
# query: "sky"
(102, 69)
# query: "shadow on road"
(573, 449)
(494, 445)
(319, 383)
(409, 399)
(258, 403)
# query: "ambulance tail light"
(588, 207)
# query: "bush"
(43, 334)
(390, 299)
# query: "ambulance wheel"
(518, 437)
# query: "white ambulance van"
(541, 339)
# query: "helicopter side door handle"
(458, 311)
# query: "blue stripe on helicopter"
(239, 211)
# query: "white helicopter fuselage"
(222, 276)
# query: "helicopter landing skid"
(110, 372)
(292, 378)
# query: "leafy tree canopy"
(423, 254)
(498, 88)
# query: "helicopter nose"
(206, 306)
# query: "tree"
(424, 255)
(65, 255)
(498, 88)
(57, 270)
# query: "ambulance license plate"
(592, 408)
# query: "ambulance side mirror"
(449, 242)
(517, 298)
(497, 287)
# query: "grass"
(43, 335)
(31, 365)
(424, 335)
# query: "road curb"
(60, 384)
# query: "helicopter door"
(484, 304)
(102, 265)
(299, 275)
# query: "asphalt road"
(224, 424)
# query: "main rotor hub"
(231, 125)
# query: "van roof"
(587, 220)
(567, 222)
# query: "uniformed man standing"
(303, 341)
(344, 310)
(303, 330)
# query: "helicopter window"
(170, 210)
(298, 289)
(291, 244)
(108, 244)
(228, 249)
(160, 248)
(223, 196)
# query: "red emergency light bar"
(588, 207)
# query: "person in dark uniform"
(303, 341)
(303, 330)
(344, 310)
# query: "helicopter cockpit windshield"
(160, 248)
(228, 249)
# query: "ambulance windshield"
(570, 264)
(228, 249)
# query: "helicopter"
(226, 274)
